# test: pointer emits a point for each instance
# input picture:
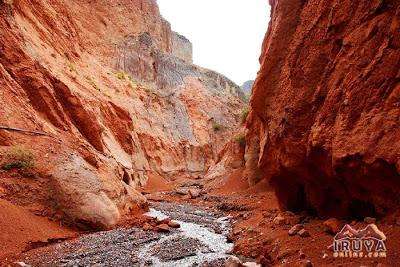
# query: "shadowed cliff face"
(324, 126)
(104, 82)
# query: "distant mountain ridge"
(247, 87)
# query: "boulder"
(85, 196)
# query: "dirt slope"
(20, 229)
(324, 126)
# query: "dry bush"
(19, 158)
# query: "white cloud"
(226, 34)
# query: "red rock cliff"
(325, 120)
(112, 103)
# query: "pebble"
(229, 251)
(295, 229)
(307, 263)
(279, 220)
(302, 255)
(304, 233)
(182, 191)
(174, 224)
(162, 228)
(267, 214)
(165, 221)
(147, 227)
(237, 231)
(194, 193)
(251, 264)
(293, 220)
(233, 261)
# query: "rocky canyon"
(117, 150)
(324, 123)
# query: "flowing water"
(200, 241)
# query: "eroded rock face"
(325, 106)
(182, 47)
(116, 100)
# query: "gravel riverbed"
(200, 241)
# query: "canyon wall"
(324, 126)
(182, 47)
(94, 92)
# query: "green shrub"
(241, 140)
(19, 158)
(216, 127)
(244, 115)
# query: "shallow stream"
(200, 241)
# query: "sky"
(226, 34)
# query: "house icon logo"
(365, 243)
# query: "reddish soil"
(256, 235)
(20, 230)
(156, 183)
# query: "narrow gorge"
(116, 149)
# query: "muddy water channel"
(200, 241)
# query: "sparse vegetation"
(72, 68)
(92, 83)
(150, 87)
(122, 75)
(216, 127)
(19, 158)
(133, 84)
(244, 115)
(241, 140)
